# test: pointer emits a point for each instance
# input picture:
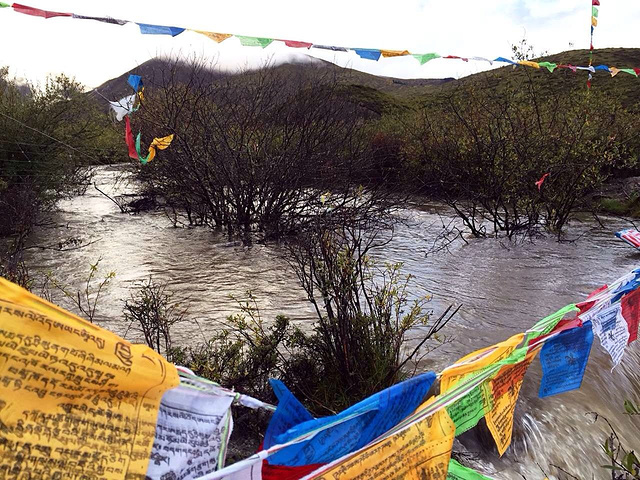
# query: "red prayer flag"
(587, 304)
(36, 12)
(637, 70)
(539, 182)
(297, 44)
(128, 136)
(455, 57)
(596, 3)
(631, 313)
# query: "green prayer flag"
(547, 324)
(142, 159)
(467, 412)
(425, 57)
(630, 71)
(460, 472)
(254, 41)
(4, 5)
(548, 65)
(594, 12)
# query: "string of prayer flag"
(373, 54)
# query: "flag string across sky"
(78, 389)
(374, 54)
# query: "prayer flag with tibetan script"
(422, 450)
(352, 428)
(83, 401)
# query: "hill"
(384, 94)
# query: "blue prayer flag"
(564, 360)
(354, 427)
(135, 81)
(505, 60)
(290, 412)
(147, 29)
(368, 53)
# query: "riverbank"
(503, 288)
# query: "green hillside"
(389, 95)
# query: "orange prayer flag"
(394, 53)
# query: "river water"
(502, 288)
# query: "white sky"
(94, 52)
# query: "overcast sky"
(94, 52)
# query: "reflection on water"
(503, 289)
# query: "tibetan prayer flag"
(368, 53)
(471, 408)
(505, 60)
(36, 12)
(595, 2)
(467, 411)
(289, 413)
(631, 236)
(192, 434)
(254, 41)
(80, 400)
(354, 427)
(216, 37)
(541, 181)
(594, 12)
(602, 67)
(421, 450)
(612, 330)
(460, 472)
(529, 63)
(594, 21)
(124, 106)
(614, 71)
(297, 44)
(455, 57)
(148, 29)
(113, 21)
(590, 68)
(425, 57)
(573, 68)
(548, 323)
(394, 53)
(548, 65)
(481, 59)
(156, 144)
(4, 5)
(330, 47)
(135, 81)
(631, 313)
(564, 360)
(505, 387)
(477, 361)
(630, 71)
(128, 136)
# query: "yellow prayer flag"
(394, 53)
(505, 388)
(75, 399)
(594, 21)
(529, 63)
(162, 143)
(420, 451)
(614, 71)
(477, 361)
(216, 37)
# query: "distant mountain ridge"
(383, 93)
